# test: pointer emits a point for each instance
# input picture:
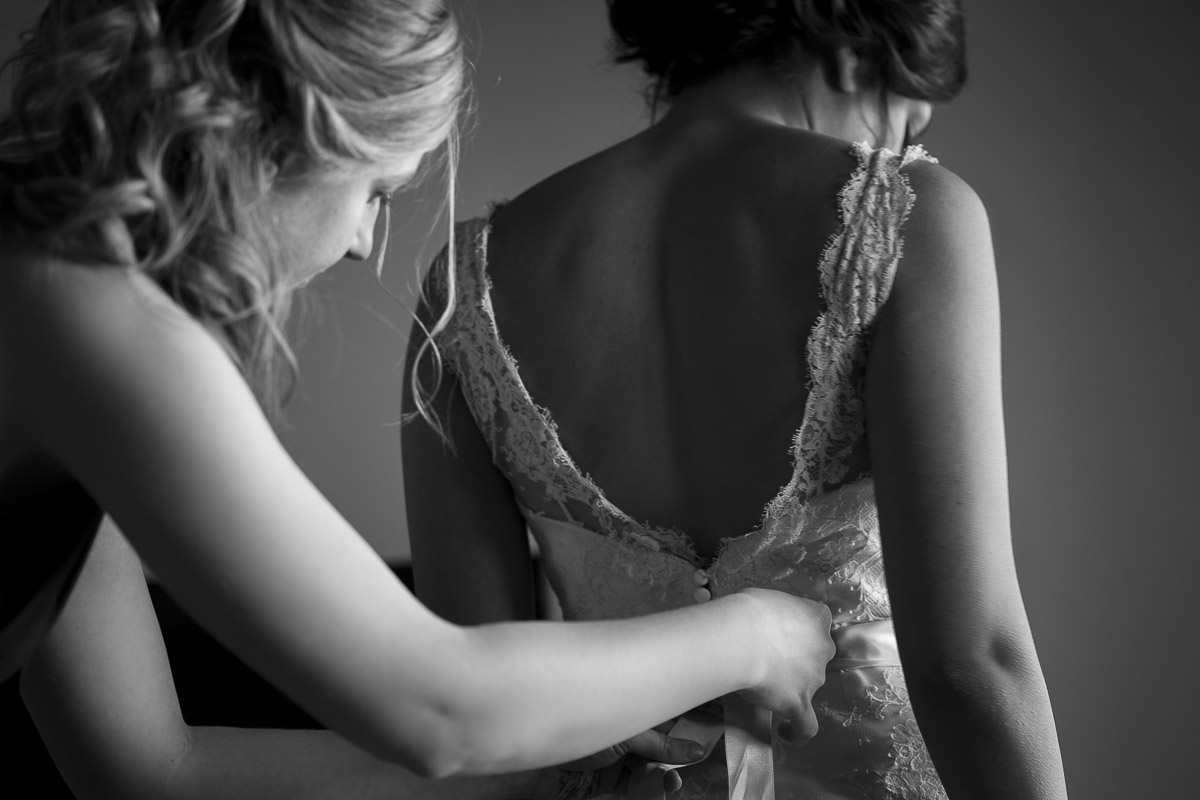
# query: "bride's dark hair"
(914, 48)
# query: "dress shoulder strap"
(464, 280)
(857, 269)
(469, 343)
(860, 261)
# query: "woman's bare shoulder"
(947, 233)
(948, 268)
(46, 294)
(71, 329)
(943, 192)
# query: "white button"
(702, 595)
(700, 577)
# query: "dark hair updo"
(914, 48)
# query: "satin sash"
(749, 755)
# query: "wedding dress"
(819, 537)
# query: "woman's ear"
(846, 64)
(271, 170)
(283, 164)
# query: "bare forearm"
(610, 673)
(990, 731)
(237, 763)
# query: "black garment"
(45, 535)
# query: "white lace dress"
(819, 537)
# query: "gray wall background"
(1077, 130)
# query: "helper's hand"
(608, 771)
(651, 745)
(794, 636)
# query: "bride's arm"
(470, 550)
(936, 433)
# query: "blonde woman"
(756, 344)
(170, 170)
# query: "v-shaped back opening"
(546, 477)
(587, 505)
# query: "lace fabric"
(818, 538)
(522, 434)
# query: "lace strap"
(464, 341)
(522, 435)
(857, 270)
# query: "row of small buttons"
(702, 593)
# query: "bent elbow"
(434, 751)
(442, 740)
(470, 744)
(449, 726)
(1000, 666)
(438, 763)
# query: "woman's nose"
(364, 237)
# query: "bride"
(756, 344)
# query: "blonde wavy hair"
(142, 133)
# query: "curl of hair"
(143, 134)
(438, 297)
(914, 48)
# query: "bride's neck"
(803, 99)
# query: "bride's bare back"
(677, 277)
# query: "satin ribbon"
(749, 760)
(749, 756)
(864, 644)
(746, 728)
